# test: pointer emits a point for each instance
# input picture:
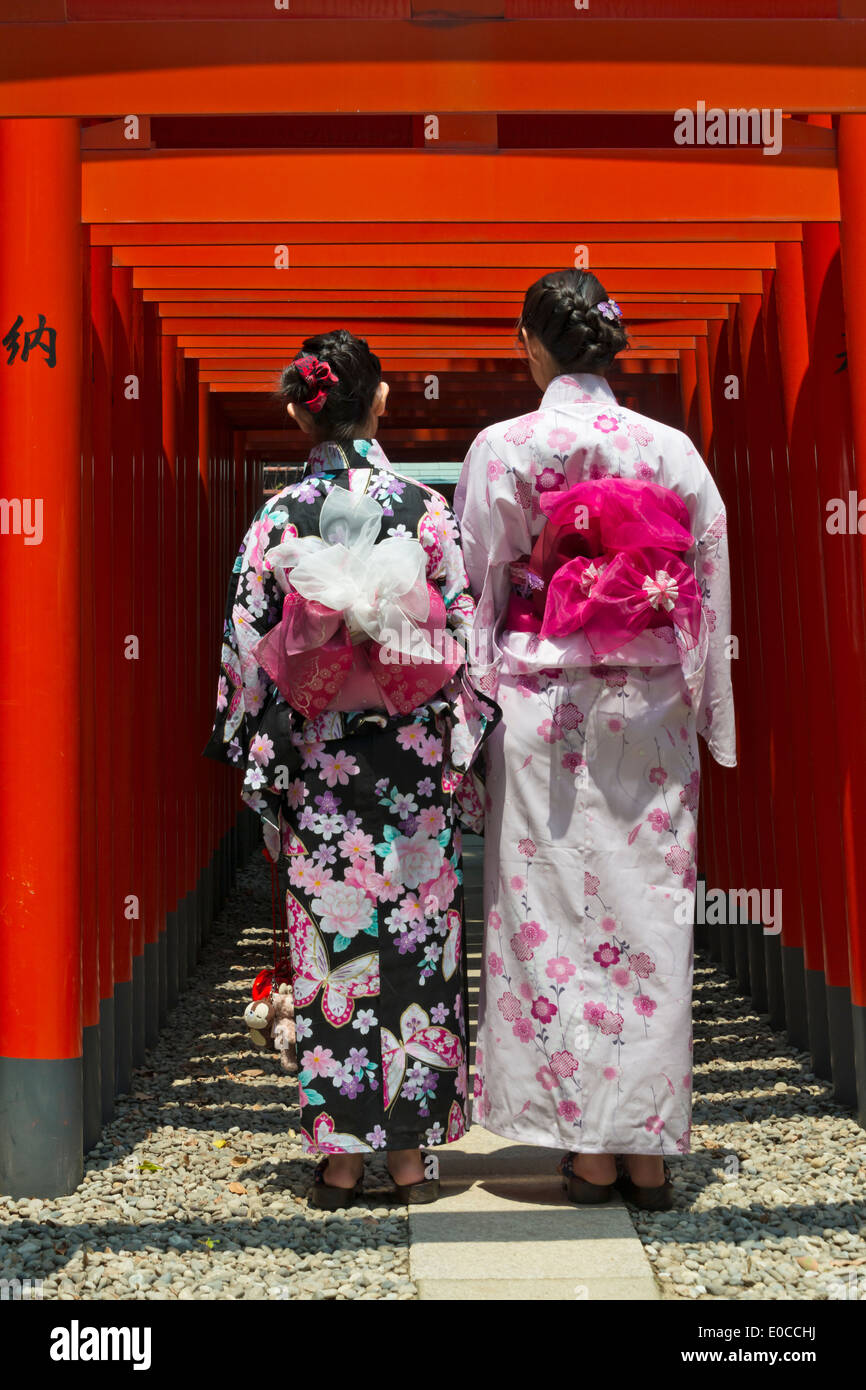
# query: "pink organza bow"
(630, 576)
(314, 664)
(361, 627)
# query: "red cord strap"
(268, 980)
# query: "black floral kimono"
(367, 807)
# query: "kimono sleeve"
(496, 530)
(439, 534)
(715, 716)
(253, 725)
(470, 719)
(252, 604)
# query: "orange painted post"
(746, 672)
(216, 562)
(204, 775)
(186, 812)
(124, 423)
(224, 563)
(700, 427)
(846, 625)
(773, 769)
(104, 712)
(137, 906)
(704, 395)
(852, 198)
(802, 843)
(813, 680)
(237, 516)
(41, 1069)
(87, 700)
(192, 599)
(737, 832)
(151, 723)
(171, 663)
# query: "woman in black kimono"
(343, 698)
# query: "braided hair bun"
(349, 400)
(561, 311)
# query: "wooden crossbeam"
(709, 184)
(308, 66)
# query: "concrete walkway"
(504, 1228)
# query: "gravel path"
(771, 1203)
(196, 1189)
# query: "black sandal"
(328, 1198)
(658, 1198)
(580, 1190)
(415, 1193)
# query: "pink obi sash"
(609, 562)
(361, 627)
(310, 657)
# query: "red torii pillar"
(749, 790)
(779, 863)
(126, 811)
(847, 627)
(206, 563)
(41, 1067)
(810, 668)
(172, 659)
(100, 309)
(852, 199)
(782, 591)
(151, 658)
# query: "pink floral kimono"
(584, 1033)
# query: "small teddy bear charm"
(271, 1023)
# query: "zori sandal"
(328, 1198)
(580, 1190)
(658, 1198)
(427, 1189)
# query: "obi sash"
(609, 562)
(361, 628)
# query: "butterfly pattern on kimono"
(433, 1044)
(357, 978)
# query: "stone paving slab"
(535, 1290)
(504, 1228)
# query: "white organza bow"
(380, 587)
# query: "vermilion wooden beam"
(393, 185)
(274, 303)
(306, 66)
(490, 255)
(405, 333)
(386, 320)
(234, 318)
(641, 280)
(466, 364)
(417, 355)
(464, 378)
(237, 233)
(408, 9)
(433, 363)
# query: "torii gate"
(153, 261)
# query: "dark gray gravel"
(771, 1203)
(156, 1216)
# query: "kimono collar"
(330, 457)
(578, 388)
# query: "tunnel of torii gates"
(181, 204)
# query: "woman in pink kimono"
(595, 542)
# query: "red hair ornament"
(312, 370)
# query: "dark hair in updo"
(560, 311)
(349, 402)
